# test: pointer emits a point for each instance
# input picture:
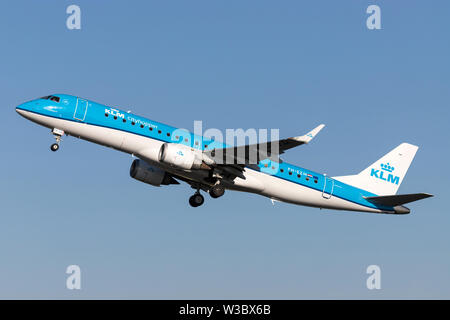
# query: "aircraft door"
(328, 186)
(80, 109)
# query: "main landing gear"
(215, 191)
(196, 200)
(57, 134)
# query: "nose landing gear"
(57, 134)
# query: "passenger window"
(151, 129)
(106, 115)
(159, 131)
(168, 134)
(281, 170)
(290, 173)
(142, 126)
(115, 117)
(132, 123)
(298, 176)
(124, 120)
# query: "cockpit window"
(52, 98)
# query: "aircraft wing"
(250, 154)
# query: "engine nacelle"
(142, 171)
(183, 157)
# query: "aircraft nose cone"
(20, 111)
(23, 109)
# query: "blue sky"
(232, 64)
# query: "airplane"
(166, 155)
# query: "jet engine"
(142, 171)
(184, 157)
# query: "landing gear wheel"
(216, 191)
(54, 147)
(196, 200)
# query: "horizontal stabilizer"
(397, 200)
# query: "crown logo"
(387, 167)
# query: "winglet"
(310, 135)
